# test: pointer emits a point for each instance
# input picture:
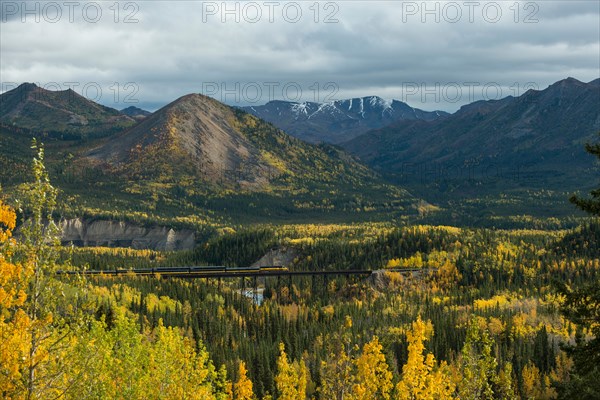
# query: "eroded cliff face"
(123, 234)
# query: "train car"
(238, 270)
(143, 271)
(207, 268)
(167, 270)
(274, 268)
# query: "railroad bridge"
(254, 273)
(221, 272)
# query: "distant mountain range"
(338, 121)
(202, 138)
(135, 112)
(541, 132)
(197, 156)
(63, 113)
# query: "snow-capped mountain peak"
(340, 120)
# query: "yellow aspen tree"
(242, 388)
(373, 378)
(177, 370)
(531, 381)
(562, 372)
(303, 377)
(536, 385)
(286, 380)
(292, 378)
(120, 362)
(421, 378)
(548, 391)
(504, 385)
(127, 364)
(14, 321)
(100, 378)
(223, 388)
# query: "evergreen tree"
(592, 205)
(582, 306)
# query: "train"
(191, 270)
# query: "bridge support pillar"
(255, 290)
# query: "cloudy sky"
(432, 55)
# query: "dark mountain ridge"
(63, 114)
(542, 131)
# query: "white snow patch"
(322, 106)
(299, 108)
(362, 108)
(384, 105)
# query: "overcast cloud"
(155, 51)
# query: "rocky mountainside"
(541, 132)
(338, 121)
(193, 135)
(63, 114)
